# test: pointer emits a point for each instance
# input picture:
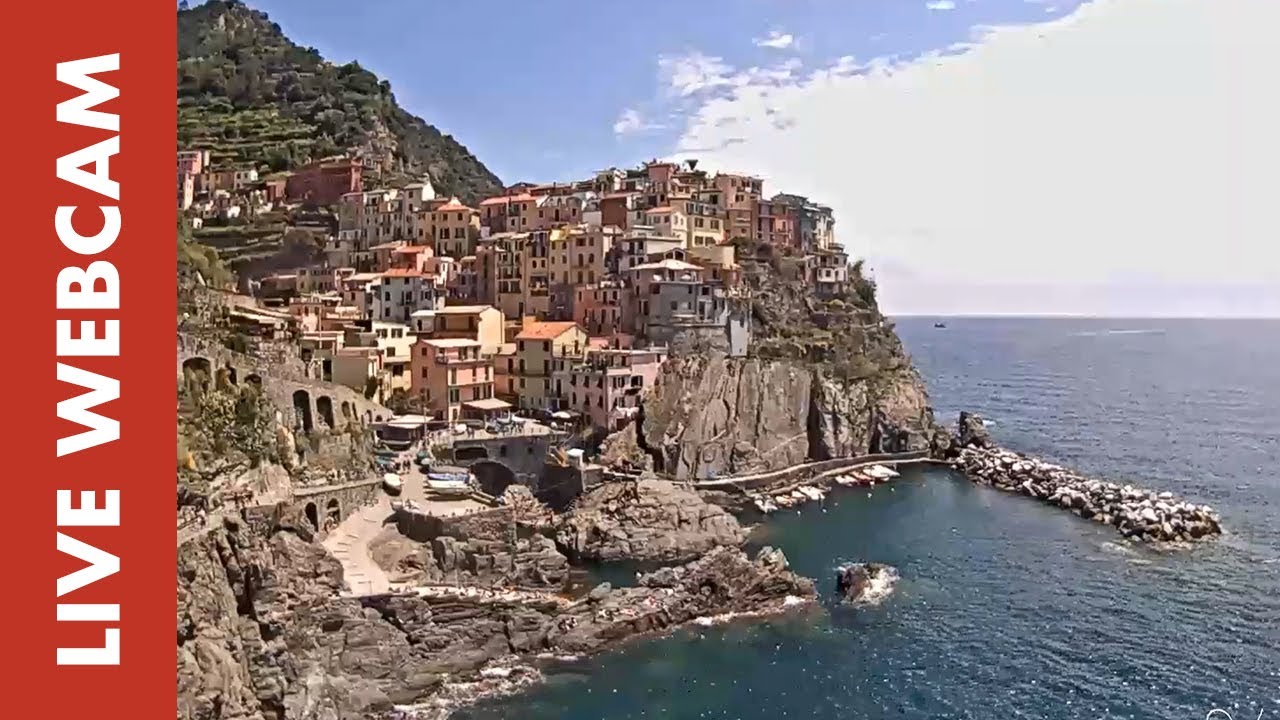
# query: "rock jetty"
(1137, 513)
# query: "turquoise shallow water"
(1007, 608)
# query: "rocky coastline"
(1137, 513)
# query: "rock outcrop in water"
(865, 583)
(645, 520)
(1137, 513)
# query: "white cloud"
(684, 75)
(631, 121)
(1120, 160)
(941, 5)
(777, 40)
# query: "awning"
(487, 404)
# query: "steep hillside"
(253, 97)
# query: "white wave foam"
(880, 587)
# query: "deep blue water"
(1008, 608)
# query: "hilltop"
(257, 99)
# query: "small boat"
(940, 325)
(880, 472)
(812, 493)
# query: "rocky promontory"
(263, 633)
(1137, 513)
(646, 520)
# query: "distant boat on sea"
(940, 325)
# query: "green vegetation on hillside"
(254, 98)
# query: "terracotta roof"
(387, 246)
(453, 206)
(660, 211)
(617, 195)
(545, 330)
(412, 249)
(504, 199)
(406, 273)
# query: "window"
(454, 395)
(546, 346)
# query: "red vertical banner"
(90, 419)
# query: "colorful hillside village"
(555, 301)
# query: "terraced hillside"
(255, 98)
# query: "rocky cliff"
(648, 520)
(713, 415)
(825, 376)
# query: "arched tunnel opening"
(493, 477)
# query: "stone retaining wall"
(492, 524)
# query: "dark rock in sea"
(972, 432)
(863, 583)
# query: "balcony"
(460, 361)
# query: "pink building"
(603, 309)
(454, 379)
(609, 385)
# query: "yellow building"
(541, 349)
(454, 229)
(579, 254)
(481, 323)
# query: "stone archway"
(493, 477)
(469, 453)
(302, 410)
(313, 516)
(197, 372)
(347, 412)
(254, 379)
(333, 510)
(324, 407)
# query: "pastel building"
(609, 384)
(482, 323)
(539, 345)
(455, 379)
(402, 292)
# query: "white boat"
(880, 472)
(392, 483)
(812, 493)
(765, 506)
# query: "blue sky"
(1104, 157)
(534, 88)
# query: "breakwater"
(1137, 513)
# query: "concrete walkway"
(349, 543)
(818, 467)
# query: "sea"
(1007, 608)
